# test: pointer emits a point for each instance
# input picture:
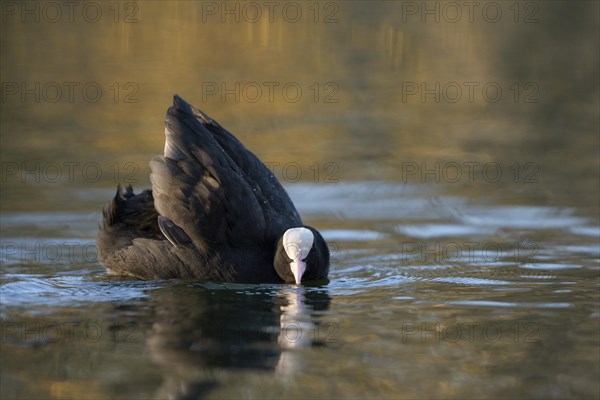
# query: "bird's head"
(302, 255)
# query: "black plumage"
(215, 212)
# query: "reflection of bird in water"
(295, 321)
(296, 331)
(215, 213)
(200, 329)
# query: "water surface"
(464, 234)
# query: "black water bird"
(215, 212)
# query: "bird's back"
(215, 211)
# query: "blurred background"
(367, 90)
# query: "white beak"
(297, 243)
(298, 267)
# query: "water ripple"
(470, 281)
(28, 290)
(593, 231)
(487, 303)
(351, 235)
(443, 230)
(521, 217)
(550, 266)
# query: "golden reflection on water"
(366, 85)
(362, 109)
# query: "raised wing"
(255, 170)
(199, 188)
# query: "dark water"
(464, 225)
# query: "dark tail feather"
(132, 212)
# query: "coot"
(215, 212)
